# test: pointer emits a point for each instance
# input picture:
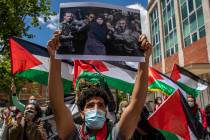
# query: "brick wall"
(158, 66)
(170, 61)
(196, 52)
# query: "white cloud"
(51, 24)
(54, 18)
(41, 20)
(144, 17)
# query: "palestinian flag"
(158, 82)
(188, 81)
(116, 77)
(31, 61)
(175, 121)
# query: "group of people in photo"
(100, 33)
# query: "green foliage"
(7, 78)
(16, 18)
(14, 13)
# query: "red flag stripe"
(170, 116)
(153, 75)
(80, 66)
(21, 59)
(175, 75)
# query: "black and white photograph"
(97, 31)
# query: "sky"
(43, 34)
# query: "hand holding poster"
(96, 31)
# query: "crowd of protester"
(92, 113)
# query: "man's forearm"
(55, 87)
(131, 115)
(140, 88)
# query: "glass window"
(163, 4)
(172, 51)
(190, 5)
(169, 10)
(202, 32)
(187, 41)
(175, 37)
(184, 11)
(168, 52)
(176, 47)
(170, 25)
(181, 1)
(200, 17)
(164, 16)
(174, 22)
(166, 28)
(172, 7)
(198, 3)
(194, 37)
(155, 36)
(193, 23)
(186, 27)
(171, 39)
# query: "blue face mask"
(94, 119)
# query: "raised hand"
(54, 43)
(145, 45)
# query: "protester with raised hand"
(93, 102)
(27, 126)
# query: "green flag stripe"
(168, 135)
(112, 82)
(159, 85)
(119, 84)
(31, 74)
(189, 90)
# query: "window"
(170, 34)
(181, 1)
(187, 41)
(186, 27)
(190, 5)
(198, 3)
(184, 11)
(202, 32)
(174, 22)
(170, 25)
(200, 17)
(194, 37)
(155, 33)
(166, 28)
(192, 20)
(193, 24)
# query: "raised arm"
(131, 116)
(63, 117)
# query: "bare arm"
(63, 117)
(131, 116)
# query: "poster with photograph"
(98, 31)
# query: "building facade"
(179, 31)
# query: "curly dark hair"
(38, 110)
(90, 93)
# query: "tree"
(14, 13)
(13, 16)
(7, 78)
